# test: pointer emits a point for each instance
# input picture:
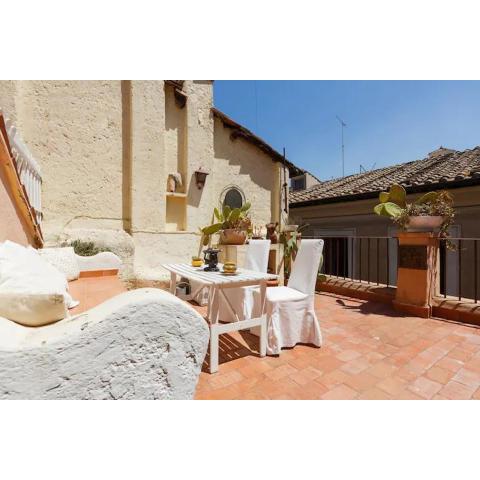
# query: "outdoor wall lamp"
(200, 177)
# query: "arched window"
(232, 197)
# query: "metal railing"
(458, 268)
(359, 258)
(374, 260)
(28, 170)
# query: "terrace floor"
(370, 352)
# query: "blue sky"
(388, 122)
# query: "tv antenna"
(343, 125)
(365, 170)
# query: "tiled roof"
(443, 168)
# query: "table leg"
(173, 282)
(263, 325)
(214, 336)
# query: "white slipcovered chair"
(242, 299)
(290, 310)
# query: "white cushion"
(62, 259)
(284, 294)
(24, 271)
(32, 310)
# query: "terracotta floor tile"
(255, 369)
(347, 355)
(361, 382)
(356, 366)
(407, 395)
(392, 385)
(328, 364)
(382, 369)
(280, 372)
(369, 355)
(302, 377)
(311, 391)
(332, 379)
(439, 374)
(457, 391)
(467, 377)
(451, 364)
(340, 392)
(460, 354)
(425, 387)
(473, 364)
(374, 393)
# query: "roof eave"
(368, 195)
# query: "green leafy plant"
(228, 218)
(290, 246)
(393, 204)
(290, 249)
(87, 249)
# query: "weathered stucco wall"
(106, 149)
(239, 163)
(74, 129)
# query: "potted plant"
(232, 224)
(432, 211)
(290, 239)
(272, 232)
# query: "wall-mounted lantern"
(200, 177)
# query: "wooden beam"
(19, 194)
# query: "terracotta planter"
(426, 223)
(233, 237)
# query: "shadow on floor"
(369, 308)
(231, 349)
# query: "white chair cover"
(242, 299)
(290, 310)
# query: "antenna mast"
(343, 124)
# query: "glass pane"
(233, 198)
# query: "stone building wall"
(106, 149)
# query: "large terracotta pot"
(230, 236)
(425, 223)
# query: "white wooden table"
(217, 283)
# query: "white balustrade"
(28, 169)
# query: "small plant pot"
(425, 223)
(290, 228)
(230, 236)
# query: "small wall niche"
(176, 214)
(175, 139)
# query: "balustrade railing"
(374, 260)
(28, 170)
(358, 258)
(458, 268)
